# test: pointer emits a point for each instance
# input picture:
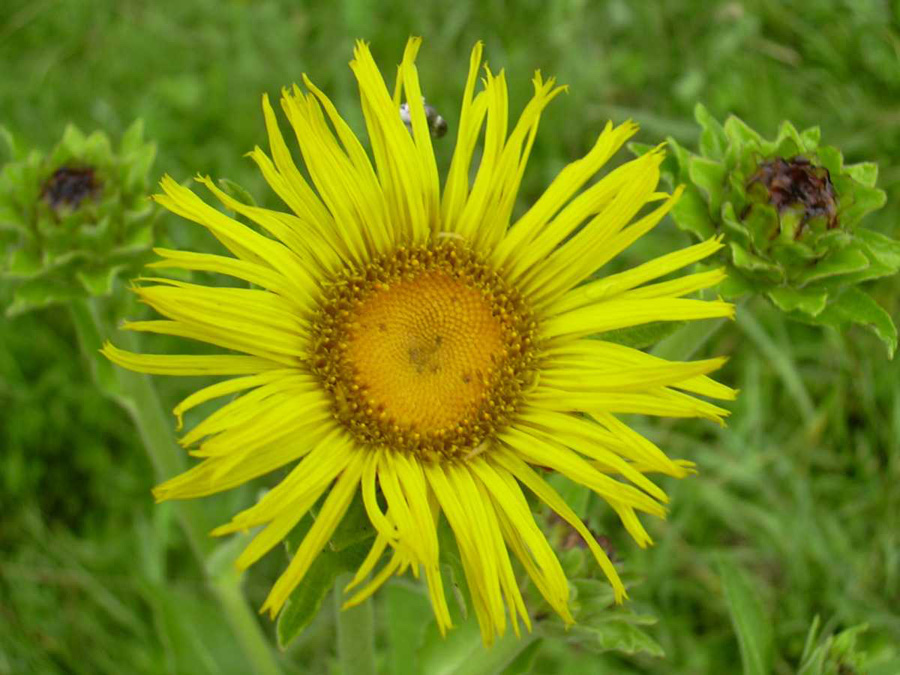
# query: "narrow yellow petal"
(241, 343)
(165, 364)
(615, 284)
(329, 517)
(534, 235)
(595, 355)
(265, 277)
(471, 118)
(661, 402)
(625, 379)
(545, 452)
(226, 388)
(508, 459)
(623, 313)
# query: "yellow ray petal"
(615, 284)
(225, 388)
(509, 459)
(622, 313)
(471, 119)
(189, 364)
(330, 515)
(560, 191)
(238, 342)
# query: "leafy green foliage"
(752, 626)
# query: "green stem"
(136, 394)
(355, 633)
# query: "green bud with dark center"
(74, 219)
(789, 210)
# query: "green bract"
(73, 219)
(789, 210)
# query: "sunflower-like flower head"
(789, 209)
(73, 219)
(423, 349)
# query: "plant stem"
(136, 394)
(355, 633)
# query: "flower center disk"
(426, 350)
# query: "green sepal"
(739, 134)
(845, 261)
(884, 249)
(735, 286)
(38, 293)
(692, 214)
(97, 281)
(801, 300)
(24, 263)
(853, 306)
(612, 630)
(713, 140)
(865, 173)
(709, 177)
(865, 200)
(754, 266)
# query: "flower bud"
(789, 210)
(73, 219)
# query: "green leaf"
(753, 627)
(406, 608)
(305, 601)
(461, 652)
(354, 528)
(612, 634)
(236, 191)
(524, 662)
(642, 336)
(856, 306)
(802, 300)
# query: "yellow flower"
(417, 348)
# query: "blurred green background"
(800, 489)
